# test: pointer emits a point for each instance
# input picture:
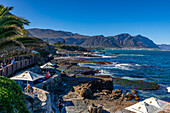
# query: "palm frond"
(4, 10)
(13, 20)
(11, 25)
(9, 31)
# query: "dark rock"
(117, 91)
(86, 92)
(116, 53)
(135, 95)
(129, 96)
(133, 91)
(105, 91)
(88, 89)
(137, 99)
(125, 91)
(122, 97)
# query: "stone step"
(70, 109)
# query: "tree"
(59, 43)
(64, 41)
(10, 25)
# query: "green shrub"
(26, 40)
(11, 97)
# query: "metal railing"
(11, 68)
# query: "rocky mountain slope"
(119, 41)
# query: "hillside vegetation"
(63, 47)
(11, 97)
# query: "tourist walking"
(60, 105)
(13, 61)
(2, 67)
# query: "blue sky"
(150, 18)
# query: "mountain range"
(123, 40)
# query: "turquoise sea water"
(146, 65)
(138, 65)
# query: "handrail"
(12, 68)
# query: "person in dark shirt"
(60, 105)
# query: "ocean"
(144, 65)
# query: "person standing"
(47, 75)
(43, 73)
(13, 61)
(2, 67)
(60, 105)
(28, 89)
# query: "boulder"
(88, 89)
(137, 99)
(85, 92)
(123, 95)
(135, 95)
(105, 91)
(126, 91)
(116, 94)
(133, 91)
(105, 83)
(117, 91)
(129, 96)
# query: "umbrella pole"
(27, 86)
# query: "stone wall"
(39, 101)
(45, 99)
(41, 98)
(50, 83)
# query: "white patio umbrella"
(28, 76)
(156, 102)
(47, 67)
(140, 107)
(47, 64)
(150, 105)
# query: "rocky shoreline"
(71, 68)
(84, 88)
